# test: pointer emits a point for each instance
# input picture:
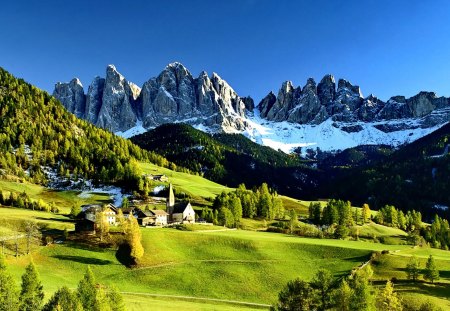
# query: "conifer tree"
(9, 299)
(363, 299)
(87, 291)
(115, 299)
(343, 297)
(412, 269)
(296, 295)
(63, 300)
(387, 299)
(31, 295)
(322, 284)
(365, 213)
(431, 271)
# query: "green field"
(194, 185)
(64, 200)
(216, 264)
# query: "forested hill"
(230, 159)
(36, 131)
(417, 176)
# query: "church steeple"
(170, 202)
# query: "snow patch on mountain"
(329, 135)
(135, 130)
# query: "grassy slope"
(215, 265)
(64, 200)
(197, 186)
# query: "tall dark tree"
(31, 294)
(431, 272)
(9, 299)
(63, 300)
(322, 284)
(87, 291)
(297, 295)
(413, 268)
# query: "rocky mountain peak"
(174, 95)
(71, 96)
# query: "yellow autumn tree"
(133, 237)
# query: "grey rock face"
(118, 101)
(346, 104)
(284, 103)
(173, 96)
(71, 95)
(307, 104)
(326, 90)
(266, 104)
(248, 103)
(94, 99)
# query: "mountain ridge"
(210, 104)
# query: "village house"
(151, 217)
(86, 220)
(179, 212)
(161, 178)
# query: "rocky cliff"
(173, 96)
(314, 104)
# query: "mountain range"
(322, 116)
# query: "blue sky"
(387, 47)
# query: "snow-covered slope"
(329, 135)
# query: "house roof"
(180, 207)
(158, 212)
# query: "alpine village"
(181, 192)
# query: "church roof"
(180, 207)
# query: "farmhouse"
(151, 218)
(179, 212)
(89, 213)
(161, 178)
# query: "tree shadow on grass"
(123, 255)
(361, 259)
(440, 290)
(56, 219)
(84, 260)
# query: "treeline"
(229, 159)
(22, 200)
(392, 217)
(261, 202)
(36, 131)
(410, 178)
(88, 296)
(354, 293)
(438, 234)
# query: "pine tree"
(9, 299)
(365, 213)
(387, 299)
(296, 295)
(412, 269)
(322, 284)
(293, 221)
(63, 300)
(363, 299)
(431, 271)
(343, 297)
(115, 299)
(31, 295)
(87, 291)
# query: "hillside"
(40, 140)
(414, 177)
(230, 159)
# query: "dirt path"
(234, 302)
